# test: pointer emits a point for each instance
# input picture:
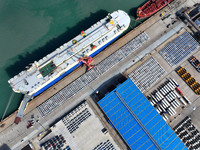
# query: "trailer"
(155, 99)
(173, 105)
(166, 102)
(163, 109)
(171, 84)
(177, 95)
(164, 116)
(179, 91)
(170, 97)
(165, 90)
(173, 81)
(174, 95)
(186, 99)
(171, 111)
(161, 90)
(177, 103)
(158, 109)
(182, 100)
(159, 94)
(167, 98)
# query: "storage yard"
(73, 128)
(158, 102)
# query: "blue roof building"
(139, 124)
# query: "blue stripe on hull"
(72, 69)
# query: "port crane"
(87, 61)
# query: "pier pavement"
(17, 136)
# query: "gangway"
(22, 108)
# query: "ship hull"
(42, 74)
(150, 8)
(72, 69)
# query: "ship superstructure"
(47, 71)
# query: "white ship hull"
(34, 80)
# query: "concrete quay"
(17, 136)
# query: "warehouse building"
(136, 120)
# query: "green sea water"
(29, 30)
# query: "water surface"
(31, 29)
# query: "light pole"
(41, 125)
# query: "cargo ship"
(47, 71)
(150, 8)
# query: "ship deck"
(20, 131)
(53, 67)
